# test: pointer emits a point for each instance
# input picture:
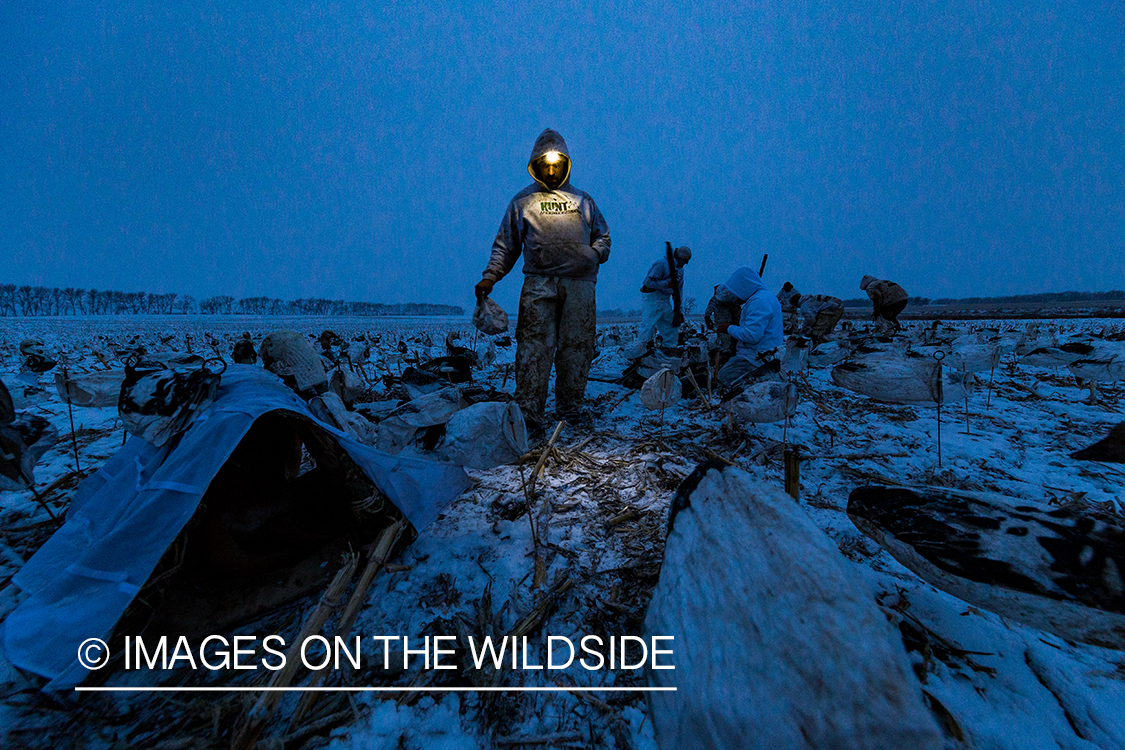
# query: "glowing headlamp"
(552, 157)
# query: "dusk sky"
(368, 153)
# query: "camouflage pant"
(741, 370)
(557, 321)
(824, 323)
(726, 313)
(887, 316)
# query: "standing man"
(563, 239)
(888, 299)
(661, 295)
(758, 332)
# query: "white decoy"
(1105, 364)
(913, 379)
(829, 353)
(766, 401)
(1058, 356)
(796, 355)
(777, 644)
(973, 357)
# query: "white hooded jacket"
(760, 325)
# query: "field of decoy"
(1015, 642)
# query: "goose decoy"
(796, 355)
(292, 358)
(454, 350)
(1111, 448)
(244, 352)
(909, 379)
(24, 438)
(158, 402)
(1105, 364)
(1056, 569)
(35, 358)
(1058, 356)
(777, 642)
(765, 401)
(829, 353)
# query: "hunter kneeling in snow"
(758, 333)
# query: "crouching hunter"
(758, 333)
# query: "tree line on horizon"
(1042, 297)
(30, 301)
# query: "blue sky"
(368, 153)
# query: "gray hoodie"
(559, 232)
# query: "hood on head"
(682, 254)
(744, 282)
(548, 140)
(865, 282)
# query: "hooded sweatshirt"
(882, 293)
(759, 328)
(811, 305)
(559, 232)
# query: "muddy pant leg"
(577, 326)
(726, 314)
(535, 342)
(891, 313)
(825, 323)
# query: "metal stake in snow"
(70, 411)
(38, 498)
(990, 375)
(966, 388)
(939, 355)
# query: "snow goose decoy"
(908, 379)
(1053, 568)
(244, 351)
(1105, 364)
(1111, 448)
(24, 438)
(777, 643)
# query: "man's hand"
(723, 327)
(484, 288)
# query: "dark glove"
(723, 327)
(484, 288)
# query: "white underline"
(373, 689)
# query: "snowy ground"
(599, 509)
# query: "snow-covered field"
(600, 509)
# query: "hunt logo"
(558, 208)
